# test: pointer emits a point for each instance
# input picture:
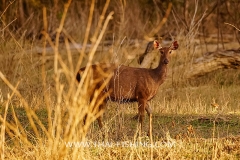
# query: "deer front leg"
(149, 112)
(141, 112)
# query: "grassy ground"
(175, 136)
(200, 126)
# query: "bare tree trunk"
(148, 59)
(21, 13)
(3, 5)
(186, 13)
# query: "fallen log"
(214, 60)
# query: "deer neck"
(160, 73)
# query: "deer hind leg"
(99, 109)
(148, 109)
(100, 123)
(99, 119)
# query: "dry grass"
(42, 107)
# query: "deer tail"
(78, 77)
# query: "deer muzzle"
(166, 61)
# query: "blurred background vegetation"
(132, 18)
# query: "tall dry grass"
(66, 104)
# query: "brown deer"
(129, 84)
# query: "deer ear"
(156, 44)
(174, 45)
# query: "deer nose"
(166, 61)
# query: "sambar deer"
(130, 84)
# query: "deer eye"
(170, 51)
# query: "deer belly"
(122, 99)
(123, 96)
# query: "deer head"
(166, 51)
